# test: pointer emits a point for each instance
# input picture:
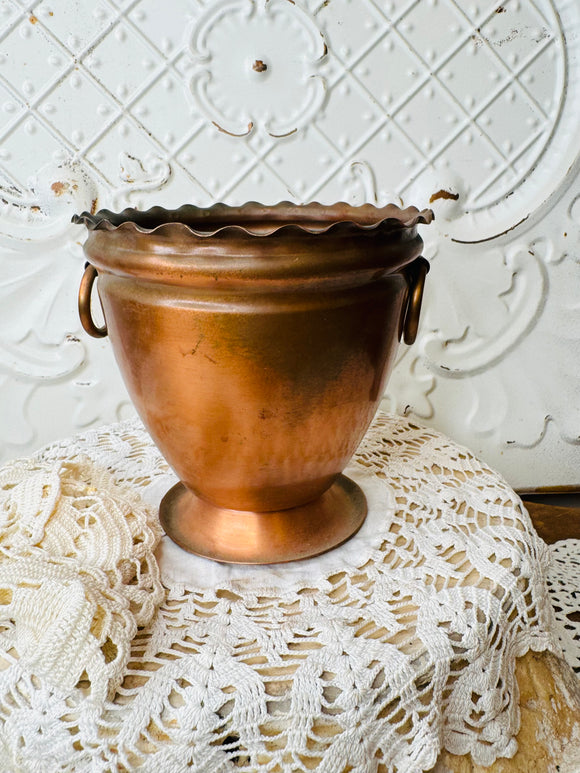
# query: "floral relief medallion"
(257, 66)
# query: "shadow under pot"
(255, 343)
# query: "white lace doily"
(371, 658)
(564, 589)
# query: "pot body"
(256, 401)
(256, 358)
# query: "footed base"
(245, 537)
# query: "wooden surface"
(549, 736)
(554, 523)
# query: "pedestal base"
(244, 537)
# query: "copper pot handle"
(85, 291)
(416, 274)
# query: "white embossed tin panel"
(471, 108)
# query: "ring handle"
(85, 291)
(416, 274)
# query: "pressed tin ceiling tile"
(152, 108)
(124, 82)
(11, 108)
(93, 113)
(25, 149)
(32, 60)
(295, 161)
(472, 106)
(163, 30)
(75, 26)
(350, 116)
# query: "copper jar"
(255, 342)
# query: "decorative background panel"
(471, 108)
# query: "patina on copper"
(255, 342)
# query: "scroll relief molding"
(491, 314)
(504, 322)
(41, 342)
(38, 257)
(38, 261)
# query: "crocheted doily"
(371, 658)
(564, 589)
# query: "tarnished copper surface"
(416, 275)
(85, 294)
(236, 536)
(255, 343)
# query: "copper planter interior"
(255, 343)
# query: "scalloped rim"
(390, 215)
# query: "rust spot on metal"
(94, 205)
(501, 9)
(325, 50)
(287, 134)
(259, 66)
(32, 19)
(491, 238)
(232, 134)
(443, 194)
(34, 208)
(59, 188)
